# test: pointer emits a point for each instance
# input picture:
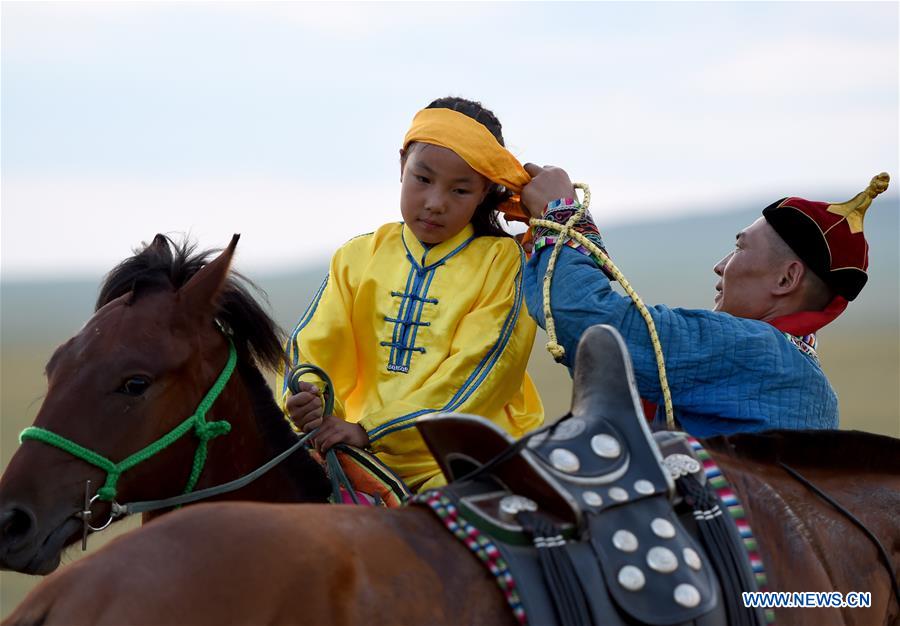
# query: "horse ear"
(160, 242)
(199, 294)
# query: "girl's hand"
(547, 184)
(305, 407)
(334, 430)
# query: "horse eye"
(134, 386)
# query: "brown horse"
(135, 371)
(283, 564)
(146, 359)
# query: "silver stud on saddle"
(564, 460)
(662, 528)
(662, 560)
(692, 559)
(511, 505)
(687, 595)
(606, 446)
(625, 540)
(679, 465)
(568, 429)
(631, 578)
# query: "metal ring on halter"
(115, 511)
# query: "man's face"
(749, 273)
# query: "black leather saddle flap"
(655, 570)
(462, 443)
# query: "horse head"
(139, 397)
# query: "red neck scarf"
(807, 322)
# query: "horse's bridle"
(196, 422)
(204, 430)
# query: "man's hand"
(334, 430)
(305, 407)
(548, 183)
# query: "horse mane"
(164, 264)
(278, 435)
(846, 450)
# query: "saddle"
(359, 477)
(586, 512)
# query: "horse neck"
(797, 531)
(258, 433)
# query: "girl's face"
(439, 192)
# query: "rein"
(568, 231)
(146, 506)
(878, 545)
(335, 471)
(205, 431)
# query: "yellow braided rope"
(553, 346)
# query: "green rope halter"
(204, 430)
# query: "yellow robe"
(405, 331)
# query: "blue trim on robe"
(418, 321)
(403, 339)
(480, 372)
(398, 327)
(304, 320)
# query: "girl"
(426, 315)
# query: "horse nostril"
(15, 524)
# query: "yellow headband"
(476, 145)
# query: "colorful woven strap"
(479, 543)
(560, 211)
(735, 509)
(805, 344)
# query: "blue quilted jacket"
(726, 374)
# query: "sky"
(283, 121)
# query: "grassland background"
(666, 261)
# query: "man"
(748, 365)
